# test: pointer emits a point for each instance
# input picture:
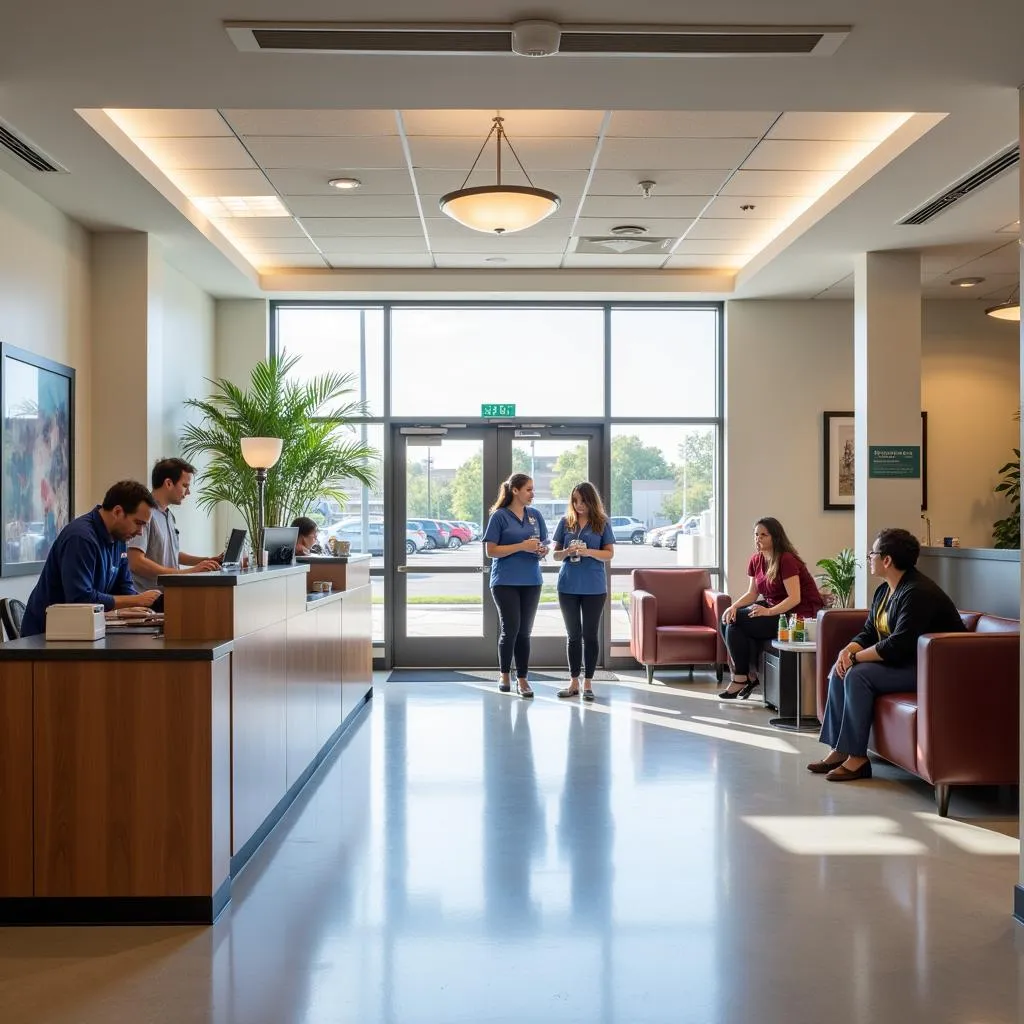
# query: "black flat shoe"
(823, 767)
(504, 687)
(588, 694)
(841, 774)
(741, 694)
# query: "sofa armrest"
(968, 695)
(714, 607)
(836, 628)
(643, 626)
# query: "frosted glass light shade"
(499, 209)
(1005, 311)
(261, 452)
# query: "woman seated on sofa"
(882, 657)
(779, 584)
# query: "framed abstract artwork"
(839, 451)
(37, 447)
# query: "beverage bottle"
(797, 630)
(783, 629)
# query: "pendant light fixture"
(1009, 310)
(499, 209)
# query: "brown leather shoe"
(842, 774)
(821, 767)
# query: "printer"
(75, 622)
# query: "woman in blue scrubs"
(584, 544)
(516, 540)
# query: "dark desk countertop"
(114, 648)
(231, 578)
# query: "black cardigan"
(918, 605)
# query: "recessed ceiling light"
(241, 206)
(495, 259)
(344, 183)
(628, 229)
(966, 282)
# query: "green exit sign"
(497, 412)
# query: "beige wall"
(44, 307)
(787, 362)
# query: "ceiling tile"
(751, 230)
(656, 228)
(384, 152)
(555, 226)
(353, 205)
(438, 182)
(513, 261)
(363, 227)
(613, 261)
(801, 125)
(362, 246)
(521, 242)
(941, 259)
(714, 247)
(197, 154)
(689, 124)
(677, 154)
(696, 261)
(221, 183)
(771, 208)
(310, 123)
(518, 123)
(537, 154)
(404, 259)
(666, 183)
(1010, 229)
(997, 287)
(261, 227)
(806, 156)
(279, 245)
(780, 183)
(637, 210)
(171, 124)
(268, 262)
(375, 181)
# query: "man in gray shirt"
(156, 551)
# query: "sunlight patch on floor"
(818, 836)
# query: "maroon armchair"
(960, 727)
(674, 616)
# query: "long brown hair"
(781, 545)
(513, 483)
(596, 515)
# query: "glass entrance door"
(443, 481)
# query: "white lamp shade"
(261, 452)
(1005, 311)
(499, 209)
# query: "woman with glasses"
(882, 657)
(779, 583)
(584, 544)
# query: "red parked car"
(458, 534)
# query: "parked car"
(437, 533)
(458, 533)
(670, 539)
(351, 529)
(628, 528)
(476, 528)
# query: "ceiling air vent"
(571, 40)
(25, 152)
(625, 246)
(1006, 160)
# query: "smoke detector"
(628, 230)
(536, 38)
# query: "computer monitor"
(233, 551)
(279, 543)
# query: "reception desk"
(980, 579)
(139, 773)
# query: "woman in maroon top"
(779, 585)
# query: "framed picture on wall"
(37, 447)
(839, 451)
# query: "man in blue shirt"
(88, 563)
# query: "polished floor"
(660, 856)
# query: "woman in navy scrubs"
(516, 540)
(584, 543)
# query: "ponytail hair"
(513, 483)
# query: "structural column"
(887, 399)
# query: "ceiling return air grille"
(26, 153)
(564, 40)
(1006, 160)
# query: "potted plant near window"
(838, 577)
(313, 418)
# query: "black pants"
(517, 608)
(582, 615)
(744, 637)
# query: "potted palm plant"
(838, 577)
(313, 418)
